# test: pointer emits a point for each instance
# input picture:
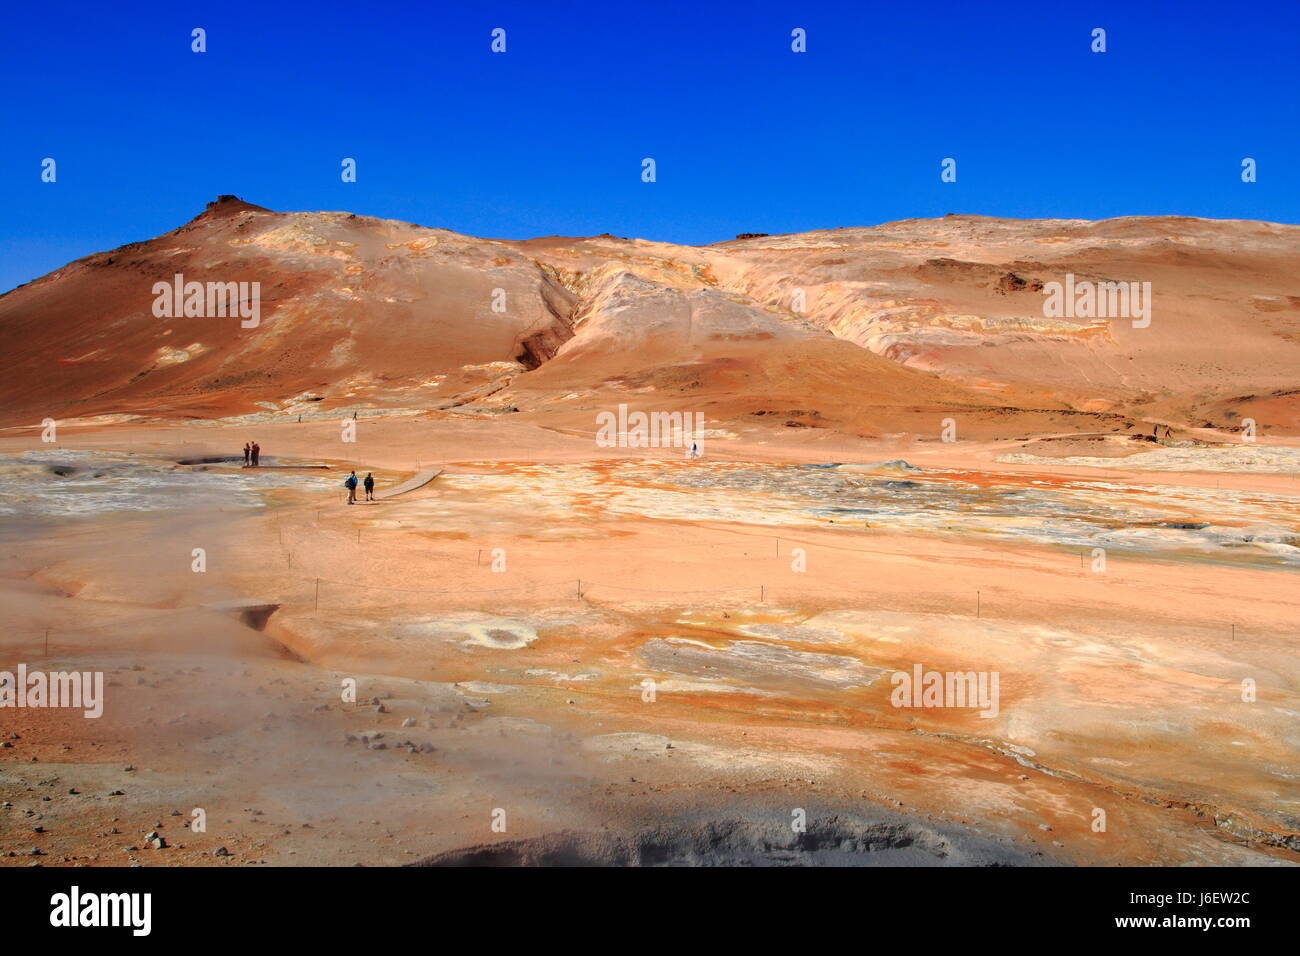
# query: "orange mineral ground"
(565, 649)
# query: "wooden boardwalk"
(410, 484)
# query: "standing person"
(370, 486)
(257, 453)
(351, 484)
(248, 451)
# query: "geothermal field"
(868, 546)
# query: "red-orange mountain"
(870, 330)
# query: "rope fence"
(580, 588)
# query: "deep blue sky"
(549, 137)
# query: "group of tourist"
(351, 484)
(253, 454)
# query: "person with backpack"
(370, 486)
(351, 485)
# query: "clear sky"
(548, 138)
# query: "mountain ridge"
(382, 314)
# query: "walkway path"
(417, 481)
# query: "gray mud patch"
(757, 663)
(67, 483)
(475, 630)
(830, 839)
